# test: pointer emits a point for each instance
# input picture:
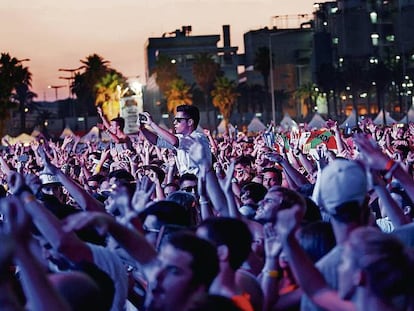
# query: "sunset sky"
(57, 34)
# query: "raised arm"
(269, 277)
(157, 131)
(132, 241)
(38, 290)
(297, 178)
(308, 276)
(49, 226)
(214, 191)
(85, 200)
(377, 160)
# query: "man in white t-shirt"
(185, 122)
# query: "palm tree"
(307, 93)
(262, 64)
(84, 86)
(281, 97)
(166, 71)
(108, 94)
(205, 71)
(329, 81)
(224, 97)
(24, 98)
(14, 77)
(178, 94)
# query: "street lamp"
(72, 76)
(56, 87)
(23, 60)
(69, 79)
(272, 83)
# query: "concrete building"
(291, 50)
(182, 47)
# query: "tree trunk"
(206, 102)
(22, 118)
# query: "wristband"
(389, 165)
(391, 171)
(274, 274)
(204, 202)
(29, 199)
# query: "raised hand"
(288, 220)
(48, 166)
(17, 221)
(143, 191)
(225, 179)
(15, 182)
(274, 157)
(82, 220)
(272, 243)
(371, 153)
(144, 118)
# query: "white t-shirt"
(109, 262)
(184, 163)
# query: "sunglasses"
(189, 189)
(180, 119)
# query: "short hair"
(317, 239)
(80, 291)
(167, 212)
(97, 177)
(257, 191)
(188, 176)
(121, 175)
(191, 112)
(290, 197)
(231, 232)
(205, 263)
(188, 200)
(275, 170)
(388, 265)
(120, 121)
(244, 160)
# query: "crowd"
(177, 220)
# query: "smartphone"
(269, 138)
(23, 158)
(142, 117)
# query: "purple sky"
(57, 34)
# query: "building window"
(390, 38)
(374, 17)
(375, 39)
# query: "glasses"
(189, 189)
(177, 119)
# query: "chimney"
(226, 36)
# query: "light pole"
(272, 83)
(23, 60)
(69, 79)
(56, 87)
(72, 76)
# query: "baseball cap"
(48, 179)
(342, 181)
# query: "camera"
(142, 117)
(23, 158)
